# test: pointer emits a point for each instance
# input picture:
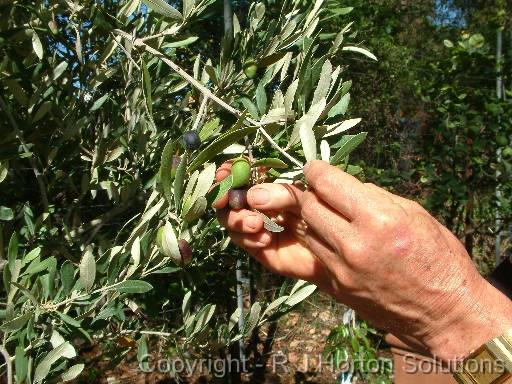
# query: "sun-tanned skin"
(381, 254)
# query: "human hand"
(285, 253)
(384, 256)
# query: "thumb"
(276, 197)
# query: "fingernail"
(259, 196)
(251, 221)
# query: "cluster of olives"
(241, 179)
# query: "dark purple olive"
(237, 198)
(185, 251)
(191, 140)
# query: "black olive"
(237, 198)
(191, 140)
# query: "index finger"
(340, 190)
(223, 172)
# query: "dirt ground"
(288, 351)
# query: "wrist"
(486, 315)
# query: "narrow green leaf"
(99, 102)
(12, 252)
(87, 270)
(59, 70)
(203, 317)
(270, 162)
(188, 7)
(41, 112)
(179, 180)
(67, 277)
(274, 305)
(271, 59)
(341, 106)
(325, 151)
(43, 368)
(181, 43)
(204, 181)
(209, 128)
(342, 127)
(269, 225)
(142, 353)
(306, 133)
(72, 373)
(362, 51)
(69, 320)
(163, 8)
(220, 190)
(31, 255)
(132, 286)
(324, 83)
(233, 320)
(306, 124)
(37, 46)
(27, 293)
(300, 295)
(261, 98)
(348, 144)
(16, 323)
(250, 107)
(166, 170)
(21, 364)
(219, 145)
(4, 170)
(252, 318)
(39, 266)
(196, 210)
(169, 243)
(146, 80)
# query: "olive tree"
(115, 116)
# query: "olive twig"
(205, 91)
(200, 113)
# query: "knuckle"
(385, 221)
(356, 256)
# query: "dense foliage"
(104, 199)
(114, 116)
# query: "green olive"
(241, 172)
(250, 69)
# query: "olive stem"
(8, 362)
(200, 113)
(205, 91)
